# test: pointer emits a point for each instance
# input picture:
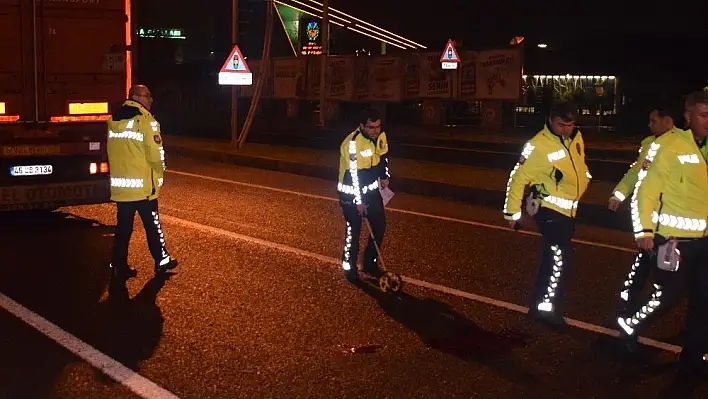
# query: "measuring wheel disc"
(394, 282)
(384, 283)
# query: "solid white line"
(521, 309)
(130, 379)
(463, 294)
(420, 283)
(404, 211)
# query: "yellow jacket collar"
(358, 130)
(546, 131)
(133, 103)
(699, 142)
(687, 134)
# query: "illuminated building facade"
(595, 95)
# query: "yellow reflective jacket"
(555, 167)
(626, 185)
(672, 189)
(362, 162)
(135, 154)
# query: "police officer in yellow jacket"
(553, 164)
(363, 170)
(669, 216)
(137, 163)
(661, 122)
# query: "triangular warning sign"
(235, 70)
(235, 63)
(450, 53)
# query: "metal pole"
(132, 51)
(323, 67)
(262, 75)
(234, 92)
(35, 60)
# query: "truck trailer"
(65, 65)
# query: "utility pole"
(262, 75)
(323, 67)
(234, 92)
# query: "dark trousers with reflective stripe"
(669, 288)
(556, 262)
(124, 230)
(377, 218)
(637, 278)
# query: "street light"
(542, 45)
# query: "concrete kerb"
(590, 214)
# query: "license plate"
(31, 170)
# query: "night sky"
(488, 23)
(665, 44)
(482, 21)
(661, 44)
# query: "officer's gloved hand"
(532, 204)
(614, 203)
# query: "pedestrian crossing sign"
(235, 71)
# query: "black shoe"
(372, 272)
(160, 269)
(123, 272)
(550, 319)
(352, 277)
(628, 342)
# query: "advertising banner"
(289, 78)
(499, 74)
(314, 65)
(385, 76)
(340, 78)
(434, 81)
(411, 77)
(467, 86)
(361, 78)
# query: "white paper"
(386, 194)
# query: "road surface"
(258, 306)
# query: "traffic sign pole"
(234, 90)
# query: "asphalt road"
(259, 308)
(604, 164)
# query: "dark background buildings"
(657, 50)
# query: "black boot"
(351, 276)
(372, 269)
(122, 272)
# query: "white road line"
(517, 308)
(127, 377)
(420, 283)
(404, 211)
